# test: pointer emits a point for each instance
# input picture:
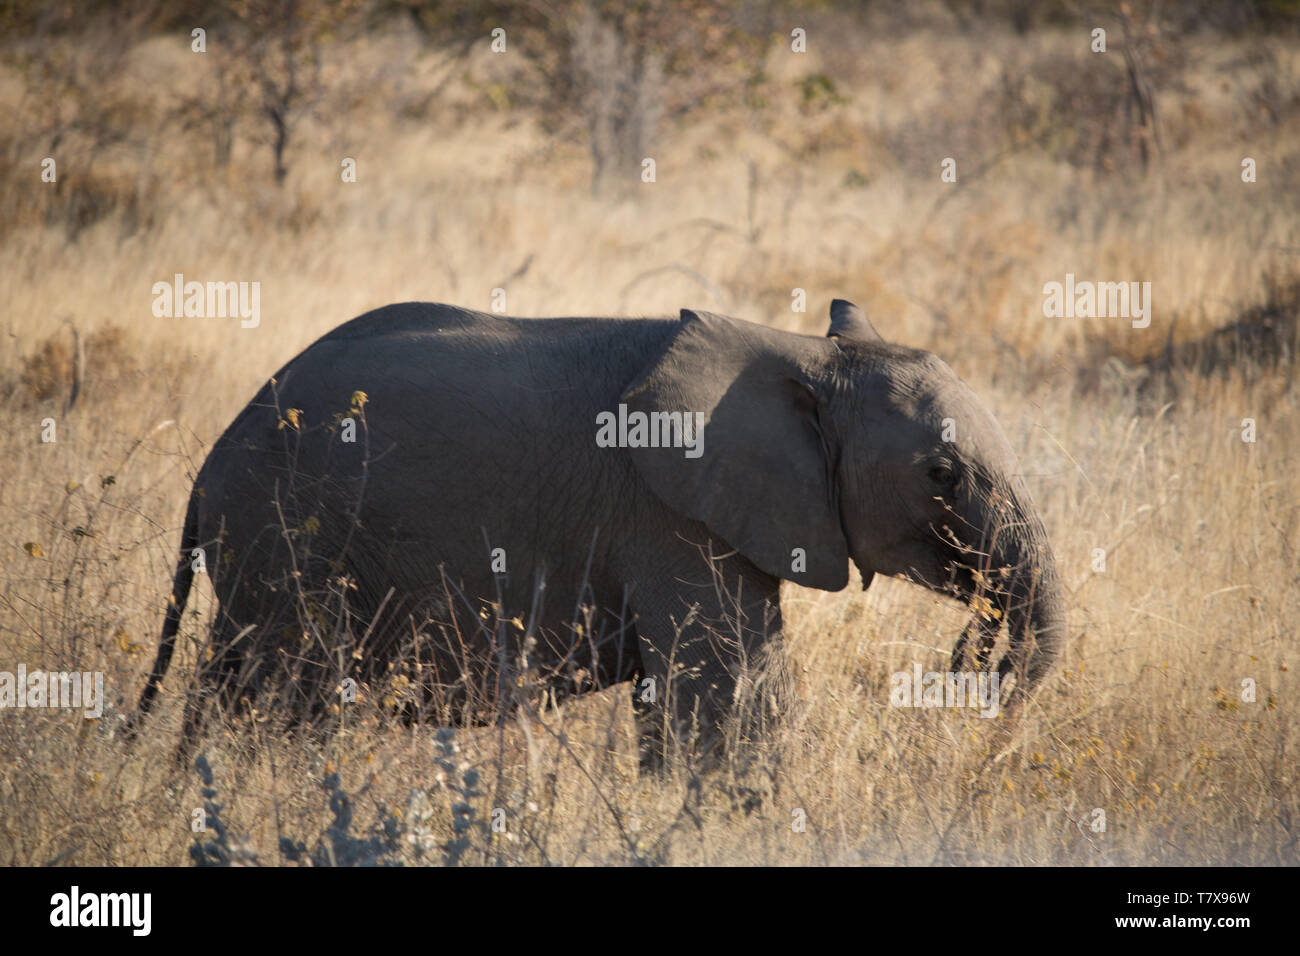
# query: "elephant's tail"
(175, 608)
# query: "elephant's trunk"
(1021, 572)
(1035, 626)
(1034, 601)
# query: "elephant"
(573, 503)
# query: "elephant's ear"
(850, 323)
(763, 477)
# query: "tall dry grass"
(838, 195)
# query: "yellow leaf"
(983, 607)
(125, 643)
(34, 549)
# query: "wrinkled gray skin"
(480, 433)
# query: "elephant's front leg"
(709, 637)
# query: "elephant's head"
(818, 450)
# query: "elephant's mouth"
(956, 581)
(963, 573)
(965, 570)
(984, 594)
(1008, 580)
(952, 567)
(953, 570)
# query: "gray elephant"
(484, 503)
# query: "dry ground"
(1143, 720)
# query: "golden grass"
(1144, 717)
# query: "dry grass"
(1144, 718)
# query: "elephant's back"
(414, 350)
(434, 324)
(413, 318)
(441, 385)
(432, 342)
(424, 348)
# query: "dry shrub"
(1092, 110)
(1259, 348)
(112, 361)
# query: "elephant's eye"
(942, 475)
